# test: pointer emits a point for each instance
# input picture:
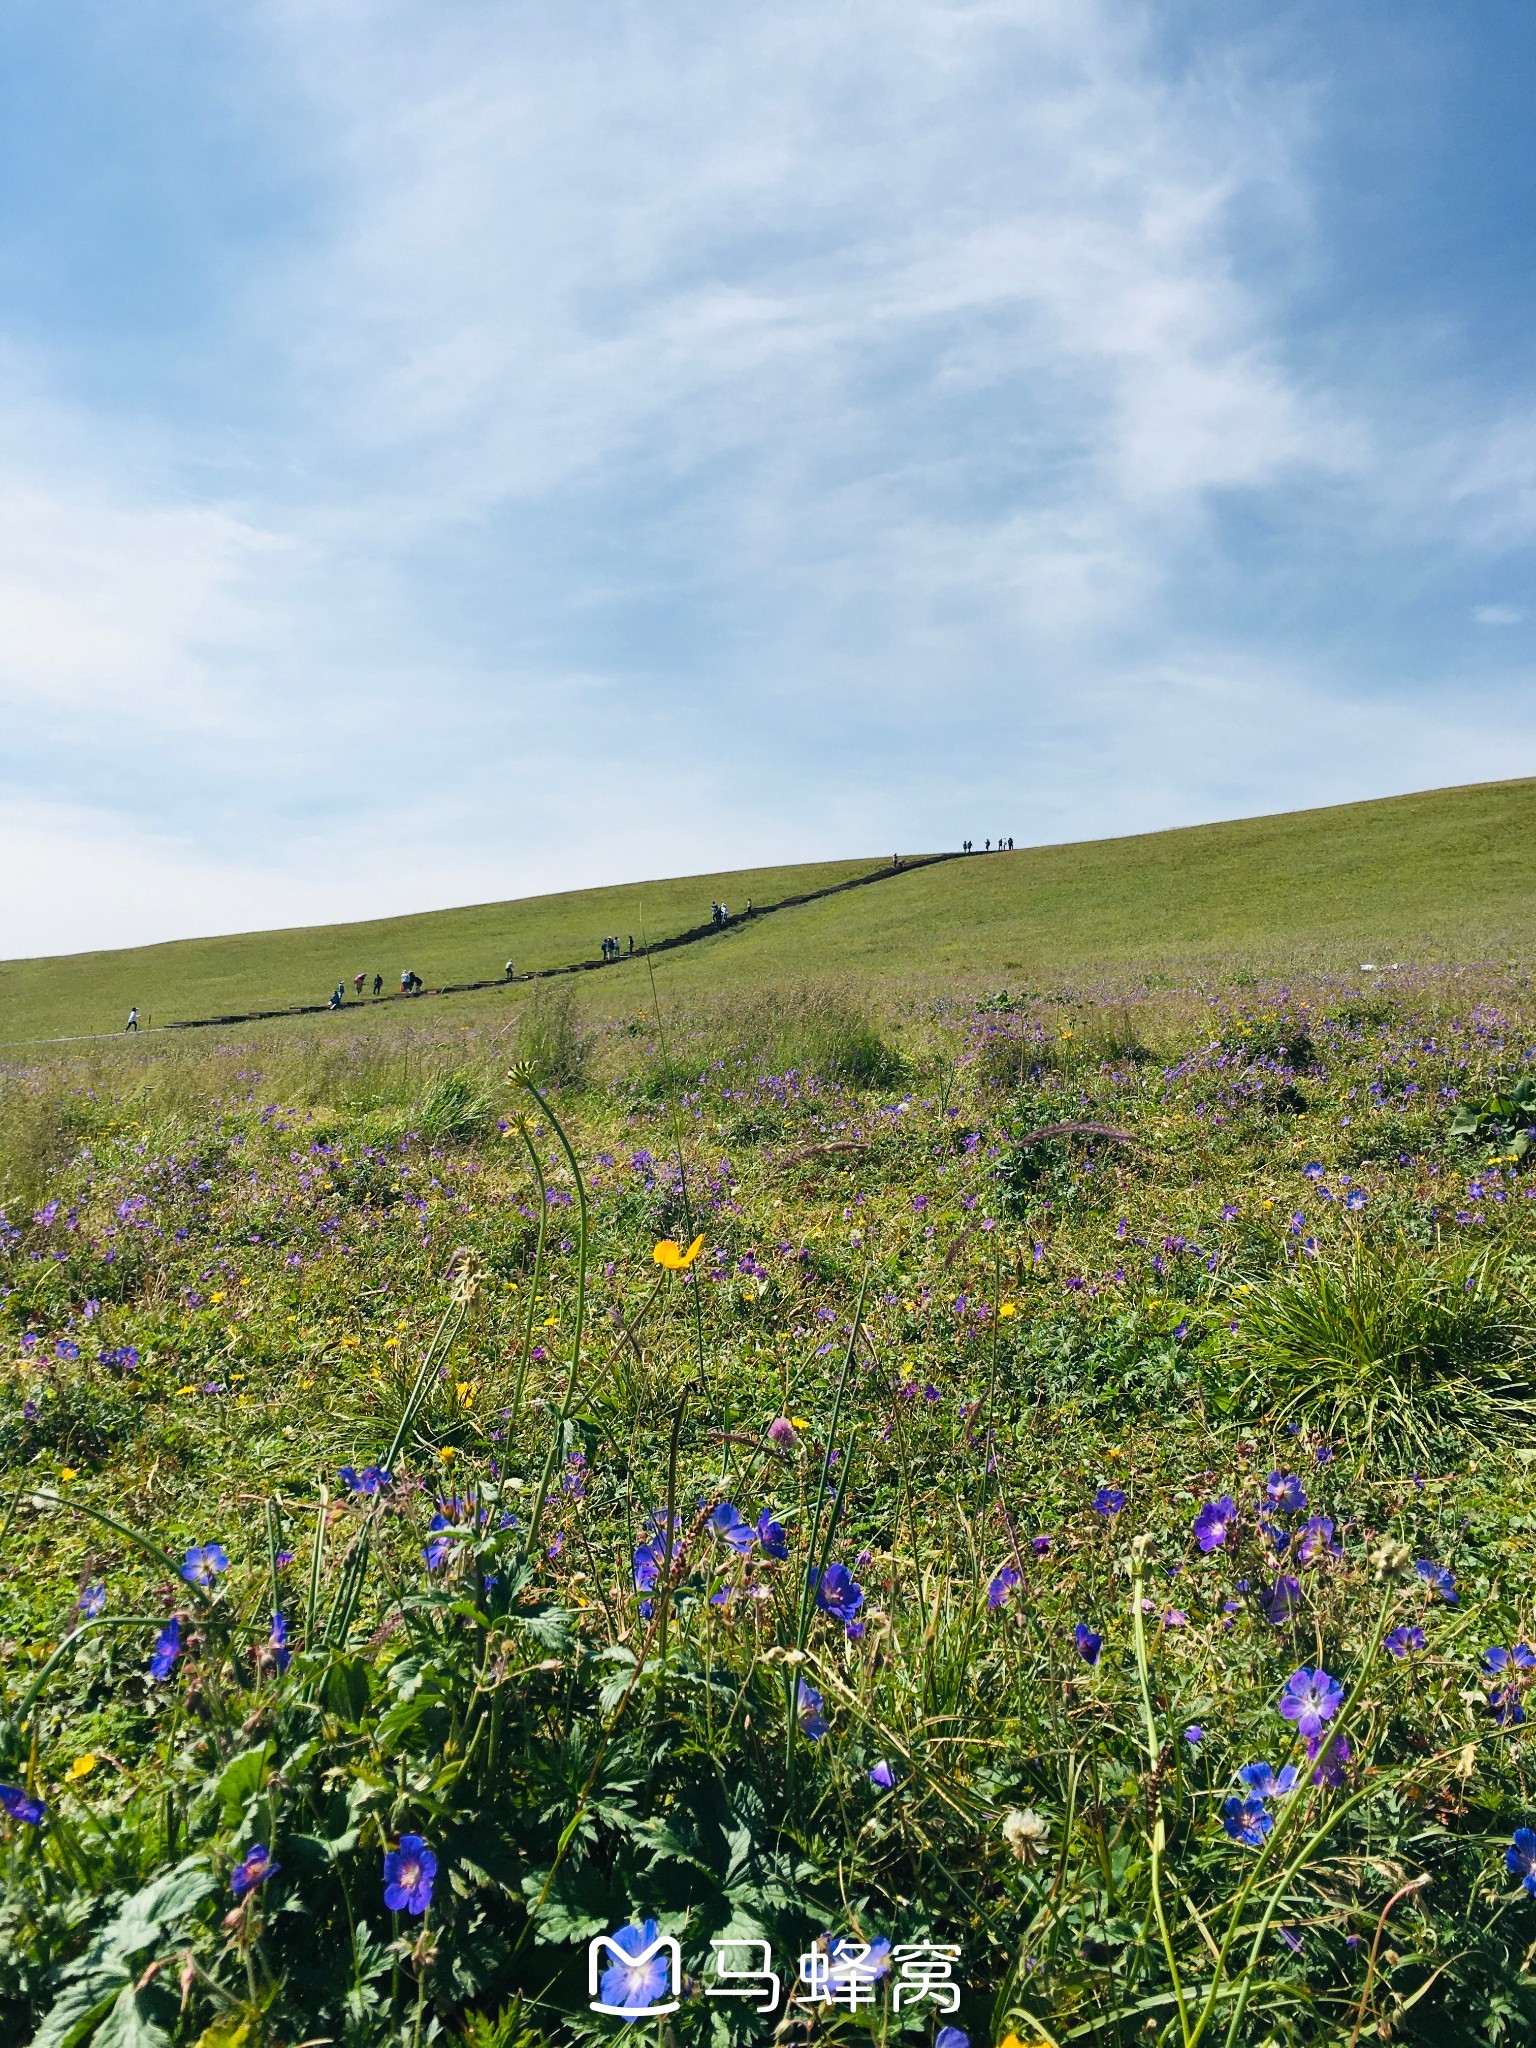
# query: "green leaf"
(131, 2022)
(345, 1689)
(242, 1777)
(74, 2014)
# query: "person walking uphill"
(133, 1019)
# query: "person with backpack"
(133, 1019)
(378, 984)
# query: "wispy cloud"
(654, 438)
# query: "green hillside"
(1450, 874)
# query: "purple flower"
(1505, 1708)
(1520, 1859)
(1315, 1539)
(857, 1962)
(203, 1563)
(1214, 1521)
(372, 1478)
(65, 1349)
(1247, 1821)
(167, 1649)
(1109, 1500)
(1439, 1579)
(408, 1874)
(1355, 1199)
(1194, 1735)
(437, 1553)
(92, 1602)
(771, 1536)
(1313, 1170)
(1041, 1546)
(277, 1644)
(951, 2037)
(1281, 1601)
(1310, 1698)
(837, 1592)
(255, 1870)
(21, 1807)
(727, 1523)
(882, 1775)
(1001, 1588)
(1330, 1754)
(781, 1431)
(1400, 1641)
(648, 1561)
(1283, 1491)
(1522, 1656)
(808, 1711)
(634, 1986)
(1265, 1782)
(1088, 1644)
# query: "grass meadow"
(1006, 1517)
(1448, 877)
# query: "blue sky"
(454, 452)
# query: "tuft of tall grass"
(550, 1038)
(1394, 1352)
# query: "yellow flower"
(82, 1767)
(186, 1390)
(68, 1472)
(671, 1254)
(466, 1392)
(798, 1422)
(1009, 1308)
(448, 1454)
(217, 1295)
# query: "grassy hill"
(1449, 874)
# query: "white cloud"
(1497, 614)
(691, 437)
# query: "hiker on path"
(509, 971)
(357, 982)
(336, 997)
(631, 945)
(378, 984)
(133, 1019)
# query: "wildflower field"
(997, 1522)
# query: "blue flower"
(1281, 1601)
(1399, 1642)
(1214, 1521)
(92, 1601)
(635, 1986)
(1001, 1587)
(437, 1553)
(1316, 1538)
(1330, 1754)
(372, 1478)
(1522, 1656)
(771, 1536)
(648, 1561)
(1194, 1735)
(203, 1563)
(408, 1874)
(1109, 1500)
(167, 1649)
(1265, 1782)
(1355, 1199)
(1283, 1490)
(951, 2037)
(1505, 1708)
(1439, 1579)
(1247, 1821)
(1520, 1859)
(882, 1775)
(856, 1962)
(17, 1803)
(277, 1644)
(1088, 1644)
(1310, 1698)
(255, 1870)
(808, 1711)
(727, 1523)
(837, 1592)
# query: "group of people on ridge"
(612, 950)
(1003, 845)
